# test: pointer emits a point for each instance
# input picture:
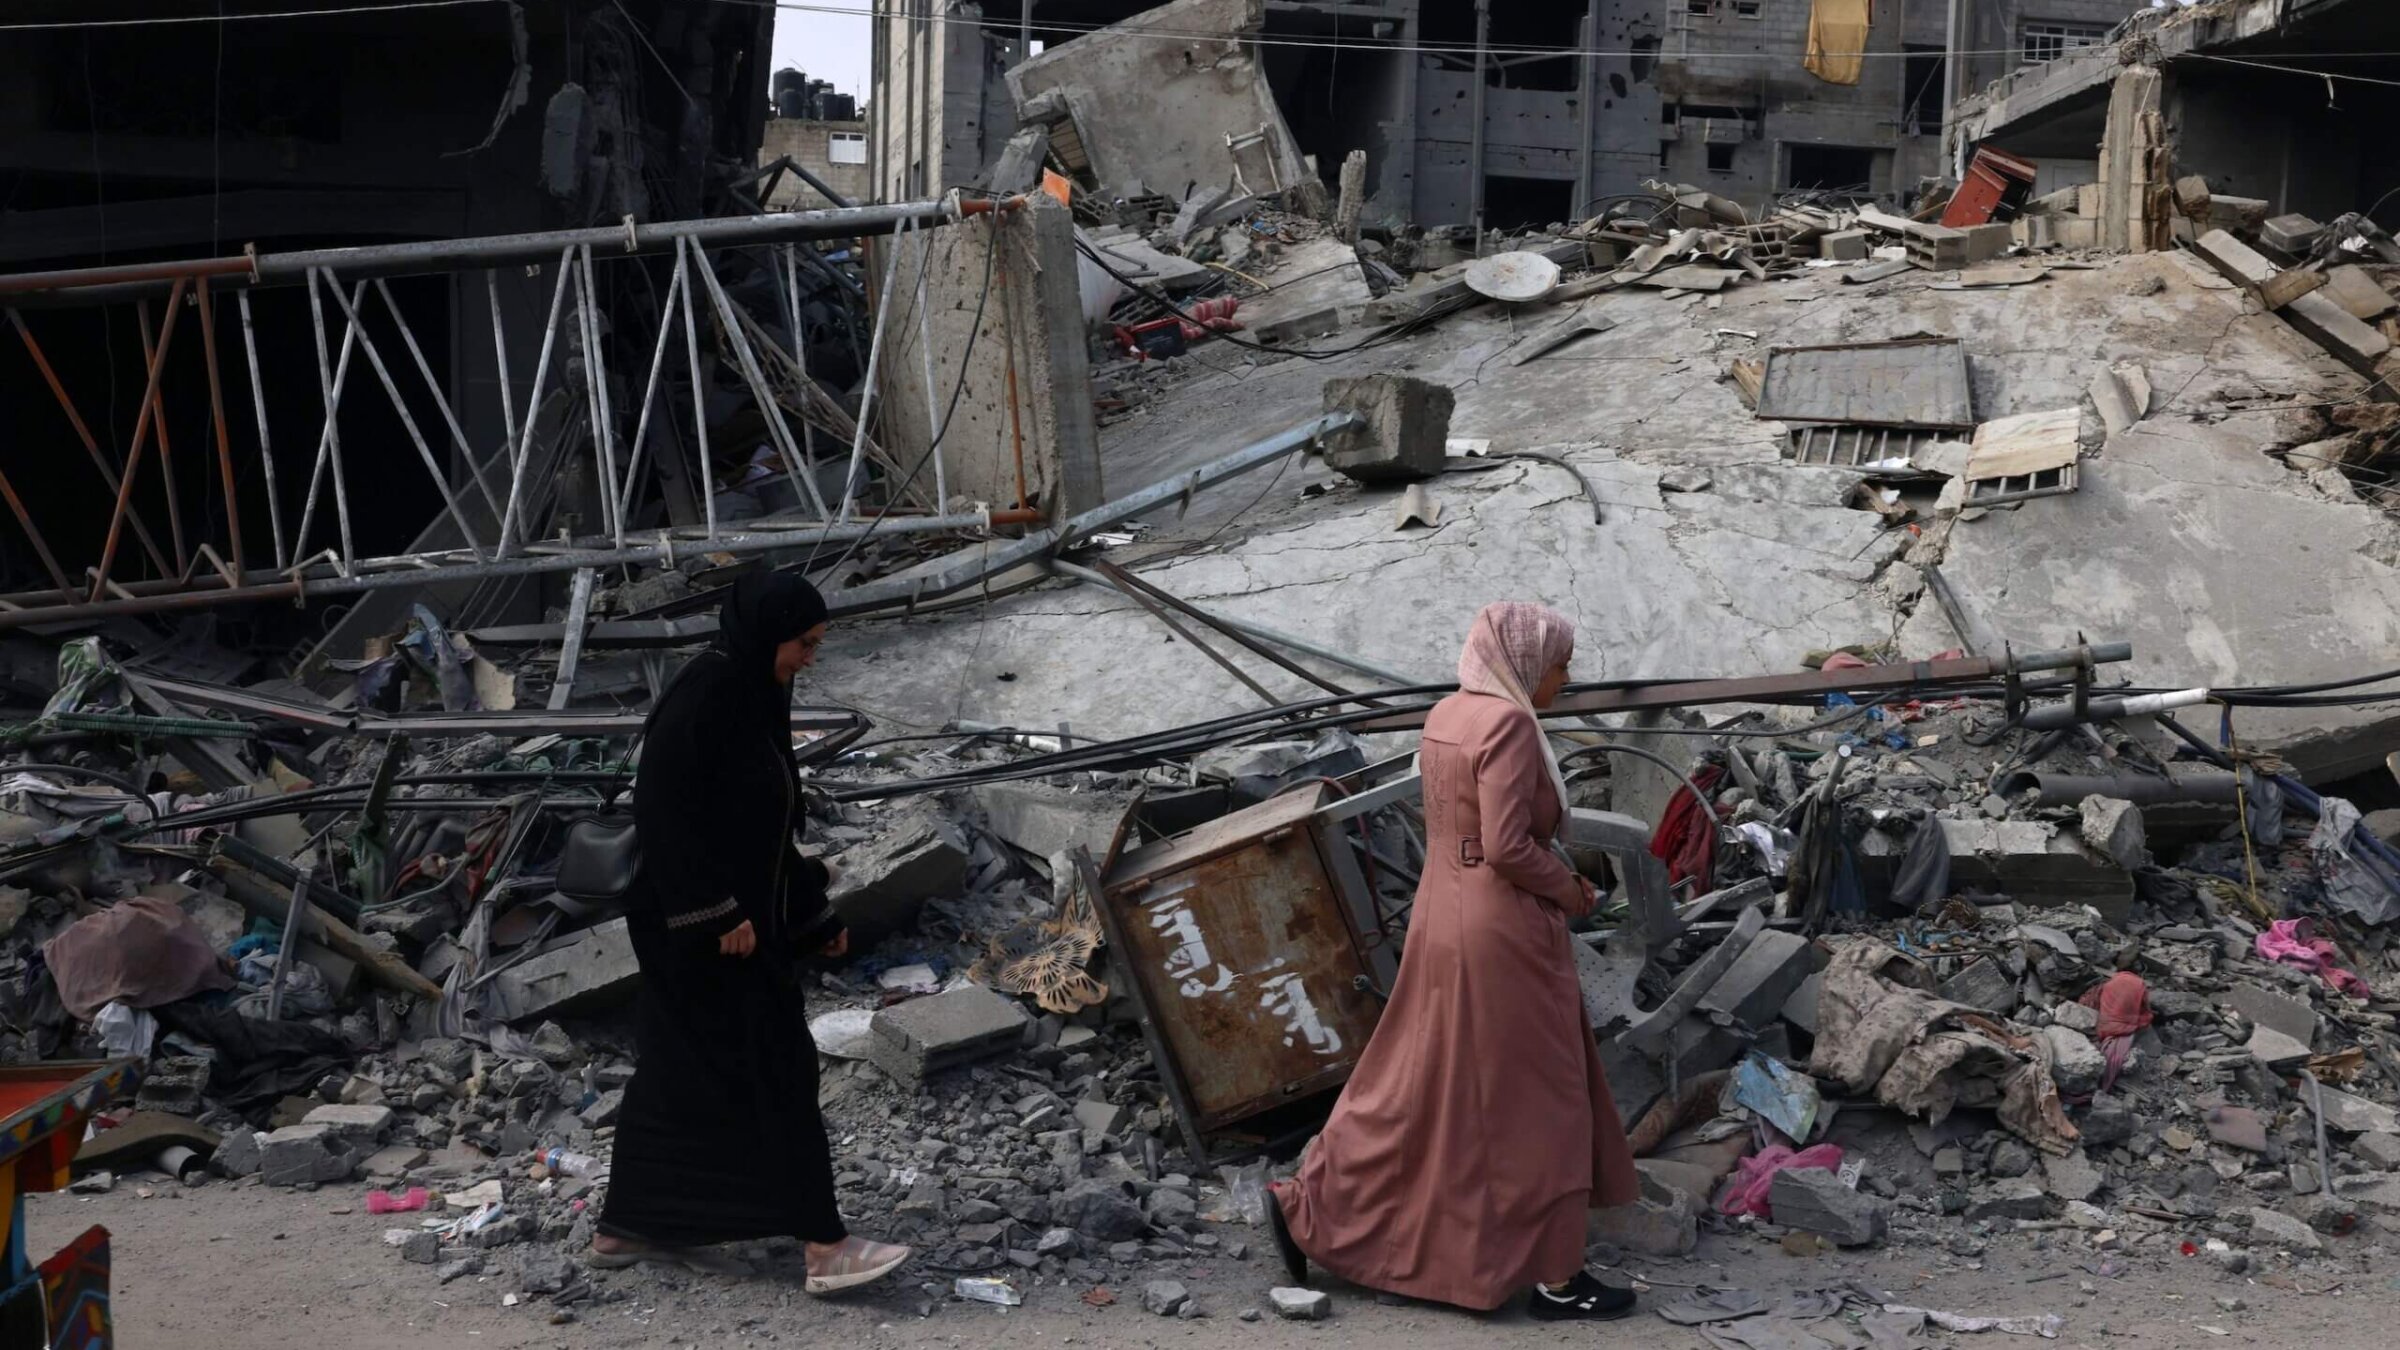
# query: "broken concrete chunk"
(594, 970)
(2290, 1016)
(2072, 1177)
(1662, 1221)
(1301, 1305)
(2357, 1115)
(917, 856)
(1042, 821)
(354, 1125)
(2276, 1051)
(2122, 394)
(1814, 1200)
(1165, 1298)
(2381, 1150)
(1984, 986)
(1407, 429)
(958, 1026)
(2017, 1198)
(2113, 827)
(2269, 1227)
(2237, 1127)
(1767, 972)
(2075, 1062)
(300, 1155)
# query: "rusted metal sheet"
(1245, 956)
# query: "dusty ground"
(239, 1266)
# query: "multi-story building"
(1515, 113)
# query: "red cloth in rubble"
(1685, 840)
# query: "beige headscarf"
(1512, 646)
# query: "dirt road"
(224, 1266)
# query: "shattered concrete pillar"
(1354, 198)
(2136, 169)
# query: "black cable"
(991, 254)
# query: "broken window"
(1745, 9)
(1720, 158)
(846, 147)
(1832, 167)
(2047, 41)
(1706, 9)
(1510, 203)
(1927, 81)
(1520, 33)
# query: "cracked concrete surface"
(2187, 538)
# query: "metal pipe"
(508, 401)
(658, 361)
(2059, 715)
(408, 423)
(933, 396)
(595, 391)
(266, 448)
(133, 458)
(216, 411)
(441, 401)
(83, 432)
(691, 347)
(533, 403)
(2060, 789)
(332, 378)
(16, 507)
(503, 250)
(866, 397)
(416, 571)
(804, 484)
(157, 413)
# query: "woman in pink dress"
(1462, 1160)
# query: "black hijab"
(762, 612)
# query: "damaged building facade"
(1462, 114)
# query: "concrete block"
(299, 1155)
(2287, 1015)
(2349, 340)
(238, 1153)
(2112, 826)
(2033, 864)
(2075, 1062)
(1753, 991)
(1407, 427)
(1663, 1222)
(1986, 242)
(2373, 1192)
(2270, 1228)
(1844, 246)
(1164, 1298)
(886, 882)
(1099, 1118)
(2016, 1198)
(595, 970)
(1043, 821)
(1814, 1200)
(2357, 1115)
(1297, 328)
(2381, 1151)
(1983, 985)
(958, 1026)
(2072, 1177)
(1301, 1305)
(2293, 234)
(354, 1125)
(2237, 1127)
(2277, 1052)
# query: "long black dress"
(720, 1138)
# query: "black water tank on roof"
(790, 89)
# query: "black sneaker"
(1584, 1299)
(1295, 1261)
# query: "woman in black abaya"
(720, 1139)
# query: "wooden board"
(2014, 447)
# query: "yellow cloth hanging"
(1837, 39)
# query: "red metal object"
(91, 444)
(133, 458)
(1993, 179)
(1194, 324)
(166, 456)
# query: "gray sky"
(832, 47)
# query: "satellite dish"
(1515, 277)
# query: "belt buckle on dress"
(1470, 850)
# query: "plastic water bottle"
(566, 1164)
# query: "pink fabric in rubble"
(1746, 1191)
(2293, 943)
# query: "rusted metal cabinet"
(1244, 943)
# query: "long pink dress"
(1477, 1132)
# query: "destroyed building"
(824, 136)
(1981, 732)
(1462, 116)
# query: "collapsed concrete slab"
(944, 1031)
(595, 969)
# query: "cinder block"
(1814, 1200)
(1986, 242)
(957, 1026)
(1406, 432)
(1845, 246)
